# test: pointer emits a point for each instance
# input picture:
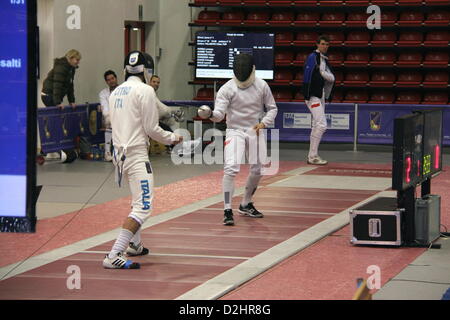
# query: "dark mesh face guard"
(243, 66)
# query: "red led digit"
(437, 152)
(418, 168)
(408, 169)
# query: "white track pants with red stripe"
(239, 145)
(319, 124)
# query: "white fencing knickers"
(108, 141)
(138, 171)
(238, 146)
(319, 124)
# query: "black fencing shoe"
(136, 250)
(228, 217)
(250, 211)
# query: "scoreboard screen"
(215, 52)
(18, 122)
(407, 152)
(417, 150)
(432, 142)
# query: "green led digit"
(426, 164)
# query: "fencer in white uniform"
(243, 99)
(134, 118)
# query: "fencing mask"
(243, 69)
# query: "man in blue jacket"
(318, 81)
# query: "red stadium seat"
(305, 3)
(356, 79)
(299, 97)
(410, 18)
(388, 18)
(356, 96)
(337, 95)
(409, 97)
(298, 80)
(382, 79)
(335, 58)
(280, 2)
(383, 97)
(437, 39)
(357, 39)
(257, 19)
(233, 18)
(409, 2)
(337, 38)
(332, 19)
(437, 2)
(205, 94)
(356, 19)
(254, 2)
(363, 3)
(382, 3)
(338, 77)
(383, 59)
(306, 38)
(207, 17)
(409, 79)
(436, 59)
(282, 77)
(435, 98)
(436, 79)
(301, 57)
(438, 18)
(410, 39)
(384, 39)
(281, 19)
(356, 58)
(284, 38)
(282, 94)
(229, 2)
(409, 59)
(331, 3)
(284, 58)
(307, 19)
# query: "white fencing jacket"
(134, 116)
(245, 107)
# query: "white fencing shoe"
(317, 161)
(119, 262)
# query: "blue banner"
(58, 129)
(294, 122)
(376, 121)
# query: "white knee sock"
(137, 237)
(228, 190)
(250, 188)
(108, 138)
(316, 136)
(121, 243)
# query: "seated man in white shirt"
(170, 118)
(111, 80)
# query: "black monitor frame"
(28, 223)
(230, 31)
(404, 139)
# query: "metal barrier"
(347, 122)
